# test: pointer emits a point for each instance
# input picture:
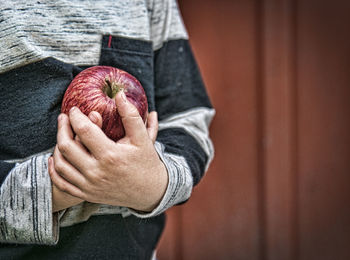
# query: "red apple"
(95, 88)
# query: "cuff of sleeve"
(26, 210)
(179, 185)
(5, 168)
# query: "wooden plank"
(324, 139)
(170, 245)
(221, 220)
(279, 129)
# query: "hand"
(62, 200)
(124, 173)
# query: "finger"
(79, 143)
(96, 118)
(152, 125)
(133, 124)
(89, 134)
(73, 152)
(77, 140)
(67, 171)
(63, 124)
(62, 184)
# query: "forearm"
(26, 204)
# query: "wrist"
(62, 200)
(158, 187)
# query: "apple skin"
(94, 89)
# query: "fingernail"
(93, 117)
(59, 118)
(123, 96)
(73, 109)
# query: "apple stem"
(111, 88)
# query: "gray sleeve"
(195, 123)
(26, 204)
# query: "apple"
(95, 88)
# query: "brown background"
(278, 73)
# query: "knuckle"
(94, 179)
(103, 179)
(82, 128)
(64, 146)
(133, 112)
(83, 196)
(89, 189)
(63, 187)
(58, 166)
(109, 157)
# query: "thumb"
(134, 126)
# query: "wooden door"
(278, 73)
